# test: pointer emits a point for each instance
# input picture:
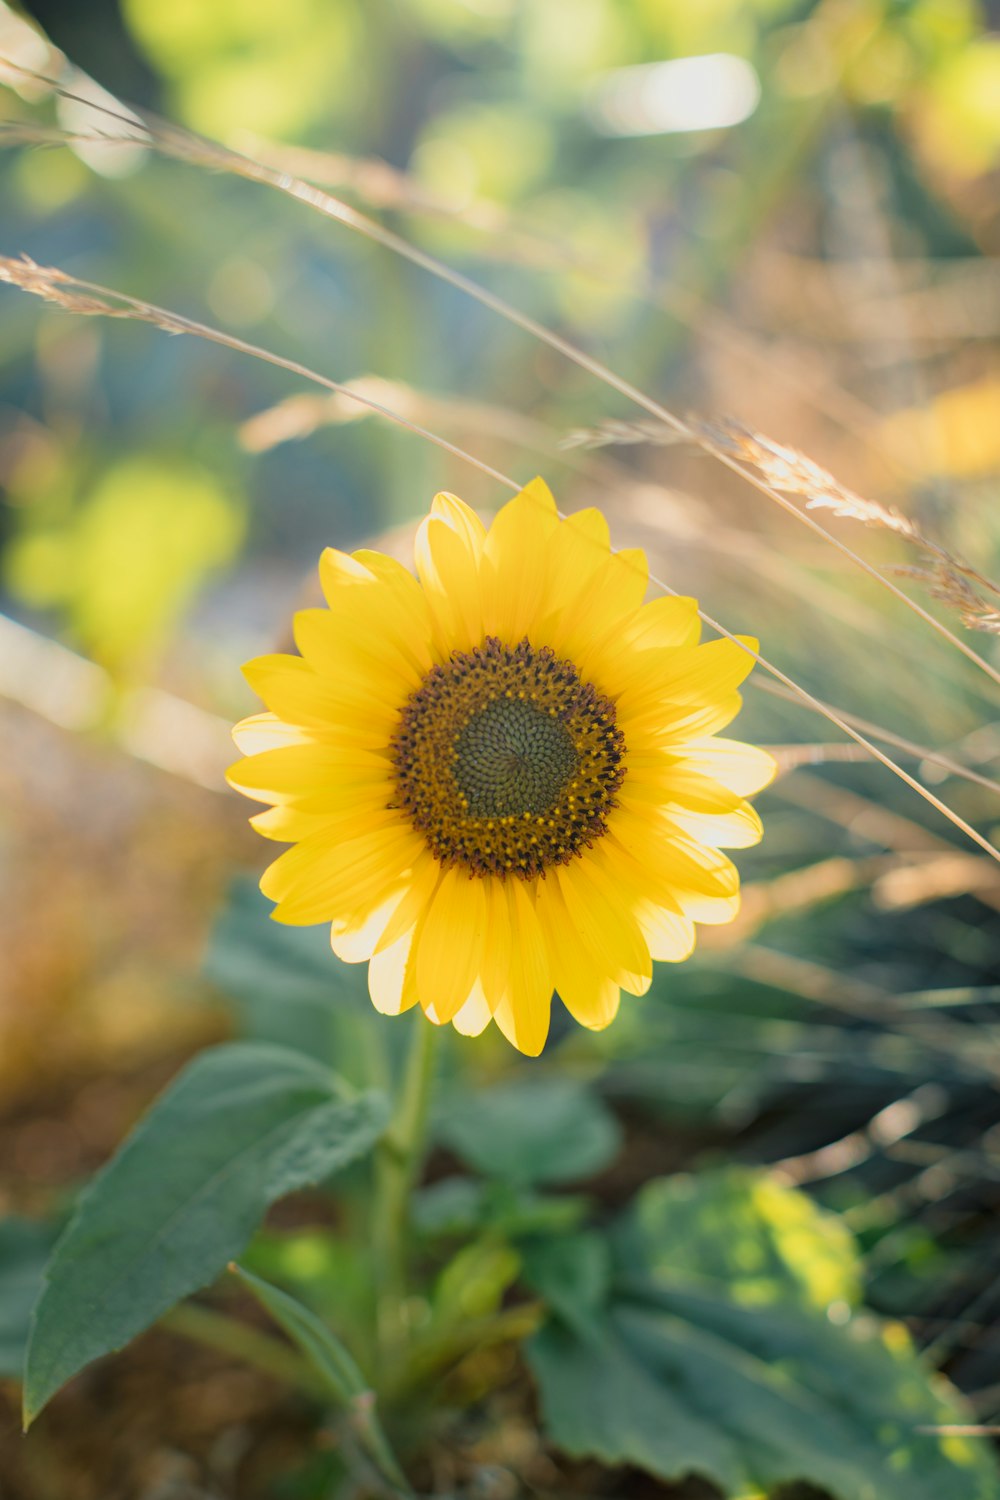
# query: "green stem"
(397, 1168)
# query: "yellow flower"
(502, 779)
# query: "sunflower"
(501, 778)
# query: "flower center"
(506, 761)
(512, 757)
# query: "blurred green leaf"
(130, 556)
(321, 1347)
(329, 1270)
(684, 1382)
(335, 1366)
(958, 117)
(458, 1206)
(242, 1126)
(272, 69)
(532, 1130)
(24, 1250)
(473, 1283)
(489, 151)
(763, 1241)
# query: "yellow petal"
(415, 900)
(339, 571)
(589, 994)
(268, 732)
(447, 558)
(408, 596)
(447, 551)
(739, 829)
(668, 725)
(295, 772)
(700, 675)
(475, 1015)
(460, 518)
(495, 971)
(292, 689)
(742, 768)
(515, 559)
(314, 857)
(286, 824)
(391, 977)
(615, 595)
(577, 551)
(356, 668)
(668, 620)
(524, 1010)
(681, 787)
(669, 934)
(670, 869)
(451, 943)
(355, 939)
(343, 882)
(375, 599)
(600, 911)
(699, 805)
(355, 789)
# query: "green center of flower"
(513, 758)
(507, 761)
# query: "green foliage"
(325, 1353)
(639, 1366)
(458, 1206)
(243, 1125)
(336, 1368)
(128, 559)
(329, 1270)
(712, 1328)
(532, 1130)
(473, 1283)
(276, 69)
(741, 1229)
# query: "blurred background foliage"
(819, 263)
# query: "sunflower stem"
(397, 1167)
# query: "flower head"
(501, 778)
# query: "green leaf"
(574, 1277)
(337, 1368)
(684, 1380)
(24, 1249)
(242, 1125)
(762, 1240)
(329, 1271)
(473, 1283)
(532, 1130)
(324, 1351)
(457, 1207)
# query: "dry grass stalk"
(947, 576)
(86, 298)
(383, 187)
(184, 145)
(911, 747)
(619, 433)
(856, 997)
